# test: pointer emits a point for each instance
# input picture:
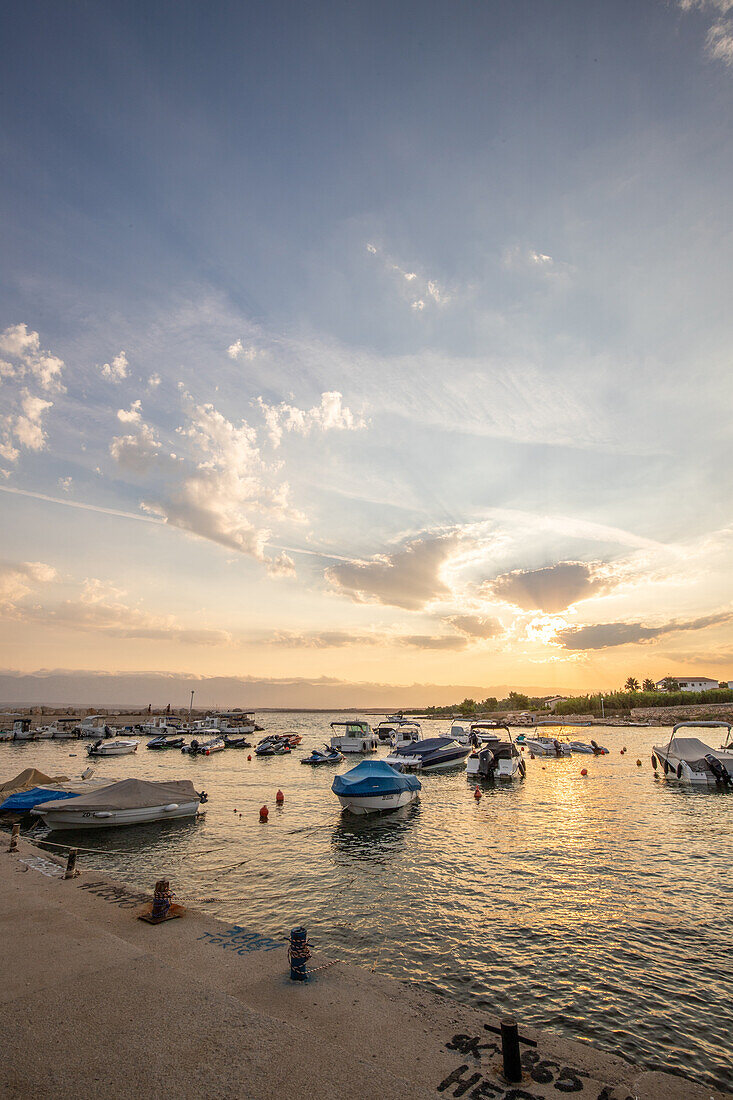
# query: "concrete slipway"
(96, 1003)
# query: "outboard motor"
(96, 745)
(486, 763)
(194, 747)
(558, 750)
(719, 770)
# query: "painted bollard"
(298, 954)
(510, 1055)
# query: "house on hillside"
(551, 703)
(689, 683)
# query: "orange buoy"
(583, 771)
(531, 756)
(249, 757)
(263, 813)
(280, 797)
(638, 763)
(477, 794)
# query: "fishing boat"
(406, 733)
(373, 786)
(432, 754)
(205, 748)
(357, 736)
(547, 746)
(330, 756)
(495, 757)
(112, 748)
(690, 760)
(165, 742)
(129, 802)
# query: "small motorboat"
(274, 745)
(432, 754)
(330, 756)
(129, 802)
(205, 748)
(689, 760)
(236, 742)
(94, 727)
(547, 746)
(164, 742)
(373, 786)
(594, 749)
(406, 733)
(496, 758)
(112, 748)
(460, 731)
(357, 736)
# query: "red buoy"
(583, 771)
(280, 797)
(263, 813)
(249, 757)
(477, 794)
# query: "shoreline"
(98, 1001)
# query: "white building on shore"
(690, 683)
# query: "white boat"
(237, 722)
(160, 727)
(357, 736)
(406, 733)
(494, 757)
(22, 730)
(432, 754)
(94, 726)
(112, 748)
(460, 731)
(547, 746)
(690, 760)
(373, 787)
(205, 748)
(130, 802)
(64, 729)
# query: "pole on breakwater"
(71, 871)
(298, 954)
(14, 834)
(510, 1049)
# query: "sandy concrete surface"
(95, 1002)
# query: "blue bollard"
(298, 953)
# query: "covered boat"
(547, 746)
(690, 760)
(432, 754)
(374, 786)
(129, 802)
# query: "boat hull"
(689, 776)
(505, 769)
(107, 819)
(377, 803)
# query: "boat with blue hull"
(375, 786)
(432, 754)
(320, 756)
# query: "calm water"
(598, 906)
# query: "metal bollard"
(510, 1049)
(71, 871)
(14, 834)
(299, 953)
(161, 899)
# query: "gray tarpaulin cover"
(130, 794)
(27, 779)
(689, 748)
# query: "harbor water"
(597, 906)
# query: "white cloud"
(330, 415)
(153, 381)
(21, 426)
(65, 483)
(19, 578)
(117, 369)
(138, 452)
(429, 290)
(418, 304)
(409, 577)
(131, 415)
(237, 350)
(719, 41)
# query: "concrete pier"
(98, 1003)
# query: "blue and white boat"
(318, 756)
(432, 754)
(374, 786)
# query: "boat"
(432, 754)
(64, 729)
(48, 790)
(594, 749)
(690, 760)
(165, 742)
(373, 786)
(273, 745)
(205, 748)
(112, 748)
(236, 742)
(357, 736)
(22, 731)
(547, 746)
(386, 728)
(486, 732)
(495, 757)
(330, 756)
(94, 726)
(460, 731)
(160, 726)
(406, 733)
(129, 802)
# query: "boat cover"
(132, 794)
(26, 800)
(373, 777)
(689, 748)
(425, 748)
(28, 778)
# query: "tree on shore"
(670, 684)
(649, 685)
(632, 684)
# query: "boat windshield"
(352, 729)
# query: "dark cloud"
(606, 635)
(407, 578)
(475, 626)
(550, 589)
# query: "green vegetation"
(625, 700)
(470, 708)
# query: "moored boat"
(329, 756)
(547, 746)
(357, 736)
(432, 754)
(495, 757)
(204, 748)
(373, 786)
(165, 742)
(112, 748)
(406, 733)
(129, 802)
(691, 761)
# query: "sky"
(367, 343)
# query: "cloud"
(330, 415)
(21, 426)
(237, 350)
(608, 635)
(65, 483)
(343, 639)
(17, 579)
(530, 261)
(410, 577)
(117, 370)
(475, 626)
(719, 37)
(131, 415)
(411, 283)
(550, 589)
(153, 381)
(136, 453)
